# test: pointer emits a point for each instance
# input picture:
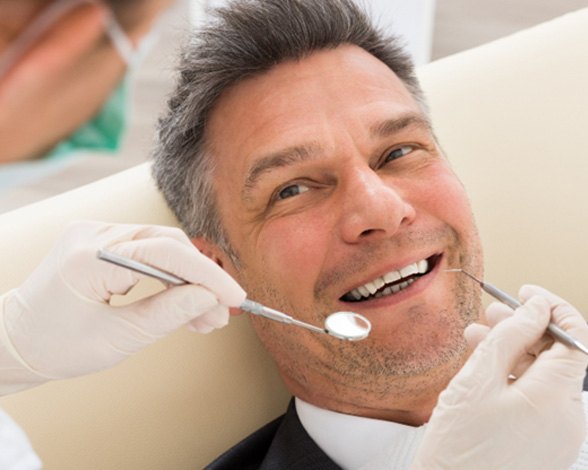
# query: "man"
(298, 154)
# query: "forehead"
(304, 101)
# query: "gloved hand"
(486, 420)
(59, 323)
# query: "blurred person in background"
(63, 65)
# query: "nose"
(373, 207)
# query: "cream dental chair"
(512, 116)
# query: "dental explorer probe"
(348, 326)
(513, 303)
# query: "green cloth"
(103, 133)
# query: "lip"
(413, 289)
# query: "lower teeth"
(393, 289)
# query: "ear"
(211, 250)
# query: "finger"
(95, 235)
(522, 365)
(475, 334)
(170, 309)
(558, 364)
(531, 355)
(111, 234)
(195, 327)
(218, 317)
(511, 338)
(497, 312)
(529, 290)
(235, 311)
(95, 279)
(186, 262)
(563, 314)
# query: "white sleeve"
(16, 452)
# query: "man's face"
(331, 187)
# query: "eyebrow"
(281, 158)
(392, 126)
(304, 152)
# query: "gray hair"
(245, 39)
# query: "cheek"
(444, 197)
(293, 248)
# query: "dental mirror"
(348, 326)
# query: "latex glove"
(59, 323)
(486, 420)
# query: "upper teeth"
(373, 286)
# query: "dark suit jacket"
(282, 444)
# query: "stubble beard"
(357, 370)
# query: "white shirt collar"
(354, 441)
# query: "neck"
(411, 405)
(408, 400)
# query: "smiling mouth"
(393, 282)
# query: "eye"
(291, 190)
(399, 152)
